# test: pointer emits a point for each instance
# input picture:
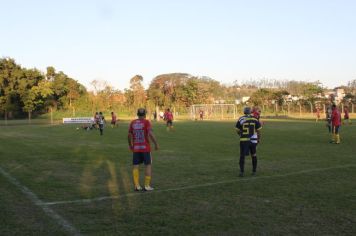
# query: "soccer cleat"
(241, 174)
(148, 188)
(138, 188)
(254, 173)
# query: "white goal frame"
(214, 111)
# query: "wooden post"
(288, 109)
(51, 115)
(300, 109)
(311, 108)
(5, 117)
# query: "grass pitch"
(304, 185)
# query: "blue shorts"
(141, 157)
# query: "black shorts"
(169, 123)
(247, 147)
(141, 157)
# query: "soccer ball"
(77, 128)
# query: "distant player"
(96, 120)
(201, 114)
(168, 117)
(346, 115)
(248, 128)
(113, 119)
(101, 123)
(336, 123)
(317, 114)
(328, 118)
(139, 136)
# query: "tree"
(136, 93)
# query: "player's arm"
(153, 138)
(238, 131)
(130, 140)
(259, 135)
(258, 130)
(238, 128)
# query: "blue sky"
(226, 40)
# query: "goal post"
(213, 111)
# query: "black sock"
(242, 163)
(254, 163)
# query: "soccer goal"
(213, 111)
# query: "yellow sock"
(136, 176)
(337, 140)
(147, 180)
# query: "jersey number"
(139, 136)
(246, 128)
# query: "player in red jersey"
(346, 115)
(336, 123)
(139, 136)
(168, 117)
(256, 113)
(201, 114)
(96, 120)
(113, 119)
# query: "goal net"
(213, 111)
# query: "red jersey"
(169, 116)
(256, 114)
(335, 117)
(113, 118)
(139, 130)
(346, 111)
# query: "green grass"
(304, 186)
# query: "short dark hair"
(247, 110)
(141, 112)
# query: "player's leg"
(332, 134)
(172, 127)
(337, 135)
(243, 152)
(136, 161)
(253, 152)
(148, 171)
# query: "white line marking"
(89, 200)
(33, 197)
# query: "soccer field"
(56, 180)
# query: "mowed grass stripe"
(234, 180)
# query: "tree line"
(30, 92)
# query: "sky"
(227, 40)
